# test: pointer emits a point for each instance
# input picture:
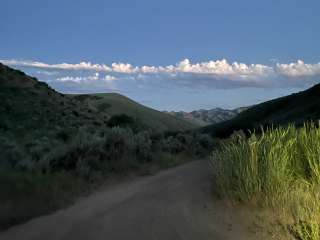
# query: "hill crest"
(296, 108)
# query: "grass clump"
(279, 170)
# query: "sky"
(169, 55)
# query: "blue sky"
(197, 54)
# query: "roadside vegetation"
(51, 173)
(277, 170)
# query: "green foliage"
(143, 146)
(28, 194)
(115, 150)
(195, 144)
(10, 153)
(172, 145)
(121, 120)
(64, 134)
(278, 169)
(84, 147)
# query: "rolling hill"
(31, 109)
(114, 104)
(296, 108)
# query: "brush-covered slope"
(114, 104)
(31, 109)
(296, 108)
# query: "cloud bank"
(299, 69)
(209, 74)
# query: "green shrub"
(118, 142)
(202, 145)
(193, 143)
(115, 150)
(64, 134)
(10, 153)
(172, 145)
(185, 139)
(39, 147)
(85, 148)
(121, 120)
(143, 146)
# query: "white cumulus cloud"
(109, 78)
(210, 74)
(95, 77)
(218, 67)
(299, 69)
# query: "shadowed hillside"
(296, 108)
(30, 108)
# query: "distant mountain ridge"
(205, 117)
(296, 108)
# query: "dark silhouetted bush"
(121, 120)
(10, 153)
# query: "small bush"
(121, 120)
(117, 142)
(172, 145)
(143, 146)
(84, 148)
(64, 134)
(10, 153)
(38, 148)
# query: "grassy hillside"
(296, 108)
(114, 104)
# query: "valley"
(60, 150)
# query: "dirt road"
(172, 205)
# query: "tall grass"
(278, 169)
